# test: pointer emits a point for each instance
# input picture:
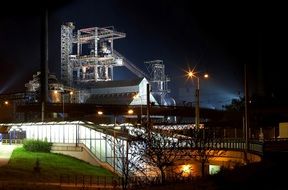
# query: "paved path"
(5, 153)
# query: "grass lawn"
(52, 166)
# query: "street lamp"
(71, 94)
(192, 74)
(141, 113)
(130, 112)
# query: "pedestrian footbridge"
(88, 141)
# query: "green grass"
(52, 166)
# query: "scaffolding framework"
(87, 55)
(66, 51)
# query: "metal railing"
(254, 146)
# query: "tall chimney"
(44, 60)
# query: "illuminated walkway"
(5, 153)
(71, 136)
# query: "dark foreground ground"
(271, 174)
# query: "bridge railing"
(224, 144)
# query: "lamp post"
(141, 112)
(192, 74)
(197, 111)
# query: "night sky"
(218, 38)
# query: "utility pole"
(246, 111)
(197, 109)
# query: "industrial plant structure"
(87, 77)
(88, 60)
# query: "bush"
(37, 145)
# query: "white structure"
(120, 92)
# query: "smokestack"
(44, 60)
(260, 87)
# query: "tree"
(126, 158)
(143, 152)
(159, 150)
(236, 105)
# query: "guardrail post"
(105, 181)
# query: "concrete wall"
(80, 152)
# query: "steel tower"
(158, 79)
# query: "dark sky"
(216, 37)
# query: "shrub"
(37, 145)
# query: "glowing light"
(186, 170)
(71, 93)
(117, 127)
(55, 91)
(130, 111)
(214, 169)
(191, 74)
(136, 96)
(6, 102)
(100, 113)
(206, 75)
